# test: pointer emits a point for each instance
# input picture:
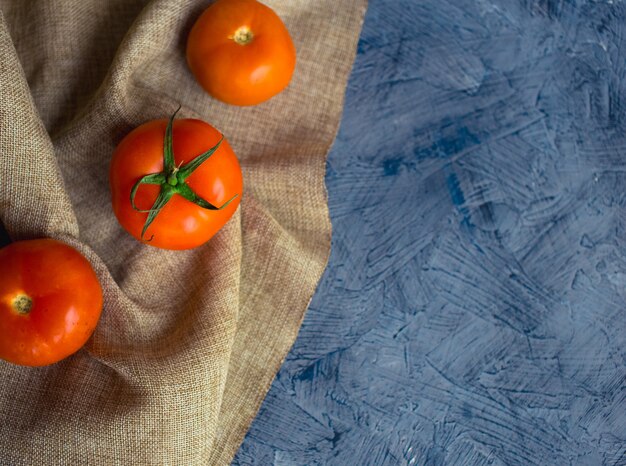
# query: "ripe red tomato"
(50, 301)
(241, 52)
(174, 184)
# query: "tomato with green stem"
(174, 183)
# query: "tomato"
(241, 52)
(174, 184)
(50, 301)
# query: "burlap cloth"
(189, 342)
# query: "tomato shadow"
(194, 12)
(4, 236)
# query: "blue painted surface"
(474, 307)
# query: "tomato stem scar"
(243, 35)
(22, 304)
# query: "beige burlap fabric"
(189, 342)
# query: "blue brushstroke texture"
(474, 308)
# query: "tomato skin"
(66, 301)
(241, 74)
(181, 224)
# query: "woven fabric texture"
(190, 341)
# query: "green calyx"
(173, 180)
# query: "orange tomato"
(240, 52)
(174, 185)
(50, 301)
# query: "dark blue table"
(474, 307)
